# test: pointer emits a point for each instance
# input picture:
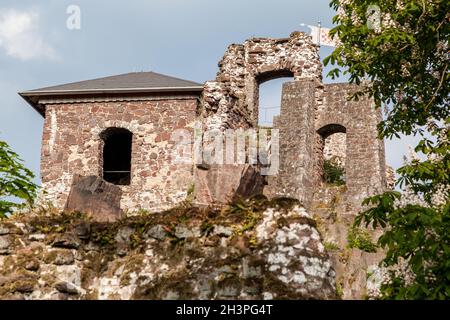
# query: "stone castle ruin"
(119, 128)
(108, 149)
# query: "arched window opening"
(333, 154)
(269, 98)
(117, 155)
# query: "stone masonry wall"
(334, 215)
(308, 106)
(231, 101)
(310, 113)
(71, 140)
(296, 124)
(282, 256)
(72, 145)
(365, 159)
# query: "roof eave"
(32, 97)
(116, 90)
(33, 102)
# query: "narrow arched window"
(333, 153)
(117, 155)
(269, 95)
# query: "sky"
(180, 38)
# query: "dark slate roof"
(124, 84)
(134, 80)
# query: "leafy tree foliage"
(16, 181)
(398, 50)
(419, 235)
(405, 57)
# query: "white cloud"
(20, 37)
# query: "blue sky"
(176, 37)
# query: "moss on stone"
(104, 235)
(179, 283)
(133, 265)
(206, 265)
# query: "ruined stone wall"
(184, 254)
(330, 209)
(310, 114)
(231, 101)
(148, 258)
(297, 133)
(72, 145)
(365, 159)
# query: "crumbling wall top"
(231, 100)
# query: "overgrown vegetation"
(339, 289)
(16, 182)
(190, 193)
(330, 246)
(402, 48)
(333, 173)
(360, 239)
(250, 210)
